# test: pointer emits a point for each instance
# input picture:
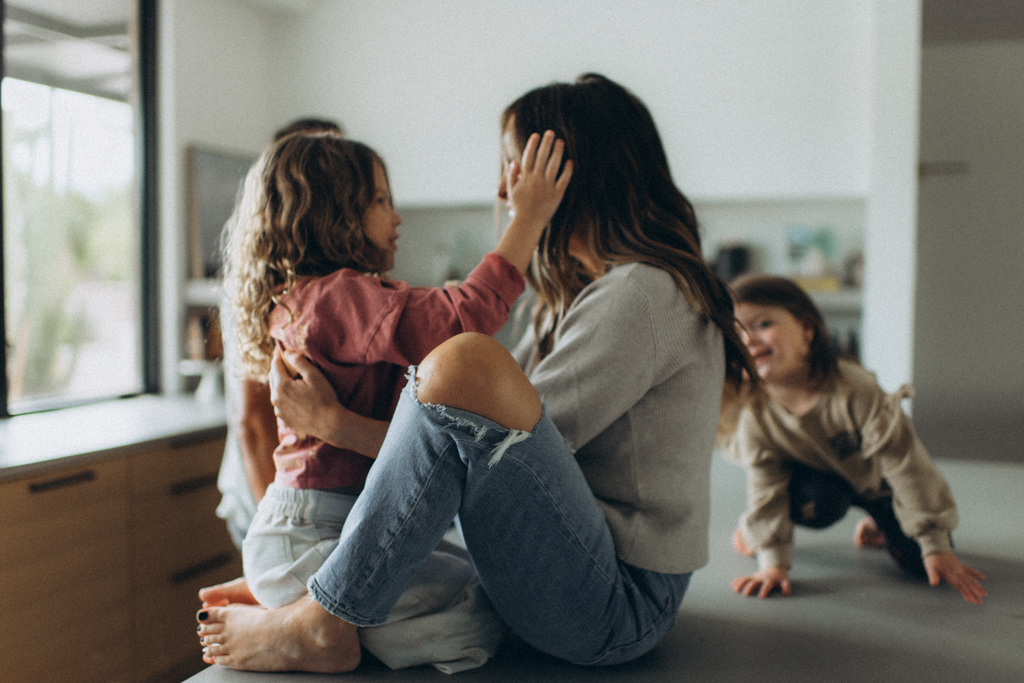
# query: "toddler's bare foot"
(867, 534)
(739, 544)
(226, 593)
(302, 636)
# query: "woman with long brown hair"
(578, 467)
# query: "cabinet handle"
(200, 568)
(194, 484)
(61, 482)
(197, 438)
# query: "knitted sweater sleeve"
(766, 524)
(922, 499)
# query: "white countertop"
(33, 443)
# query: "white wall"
(969, 350)
(891, 224)
(213, 74)
(757, 101)
(783, 102)
(754, 99)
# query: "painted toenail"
(203, 615)
(199, 629)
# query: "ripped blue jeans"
(535, 533)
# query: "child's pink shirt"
(363, 332)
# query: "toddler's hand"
(946, 566)
(764, 582)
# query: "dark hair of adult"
(780, 292)
(309, 125)
(622, 202)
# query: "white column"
(890, 239)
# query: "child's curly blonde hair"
(300, 215)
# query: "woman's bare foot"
(739, 544)
(867, 534)
(302, 636)
(225, 593)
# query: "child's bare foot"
(302, 636)
(225, 593)
(867, 534)
(739, 544)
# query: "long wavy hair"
(622, 202)
(300, 215)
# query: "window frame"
(145, 72)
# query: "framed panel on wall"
(215, 179)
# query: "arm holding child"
(304, 400)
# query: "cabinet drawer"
(174, 529)
(169, 614)
(58, 573)
(180, 546)
(176, 470)
(63, 533)
(182, 551)
(84, 635)
(62, 494)
(103, 524)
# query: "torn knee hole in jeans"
(513, 437)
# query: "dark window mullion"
(146, 144)
(3, 299)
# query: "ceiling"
(84, 45)
(78, 12)
(80, 45)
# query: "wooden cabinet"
(63, 579)
(100, 566)
(178, 546)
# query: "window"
(77, 308)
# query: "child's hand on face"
(535, 187)
(764, 582)
(946, 566)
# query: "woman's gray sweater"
(634, 384)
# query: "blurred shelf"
(203, 292)
(845, 301)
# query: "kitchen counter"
(34, 443)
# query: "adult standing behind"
(585, 516)
(247, 467)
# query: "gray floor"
(852, 617)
